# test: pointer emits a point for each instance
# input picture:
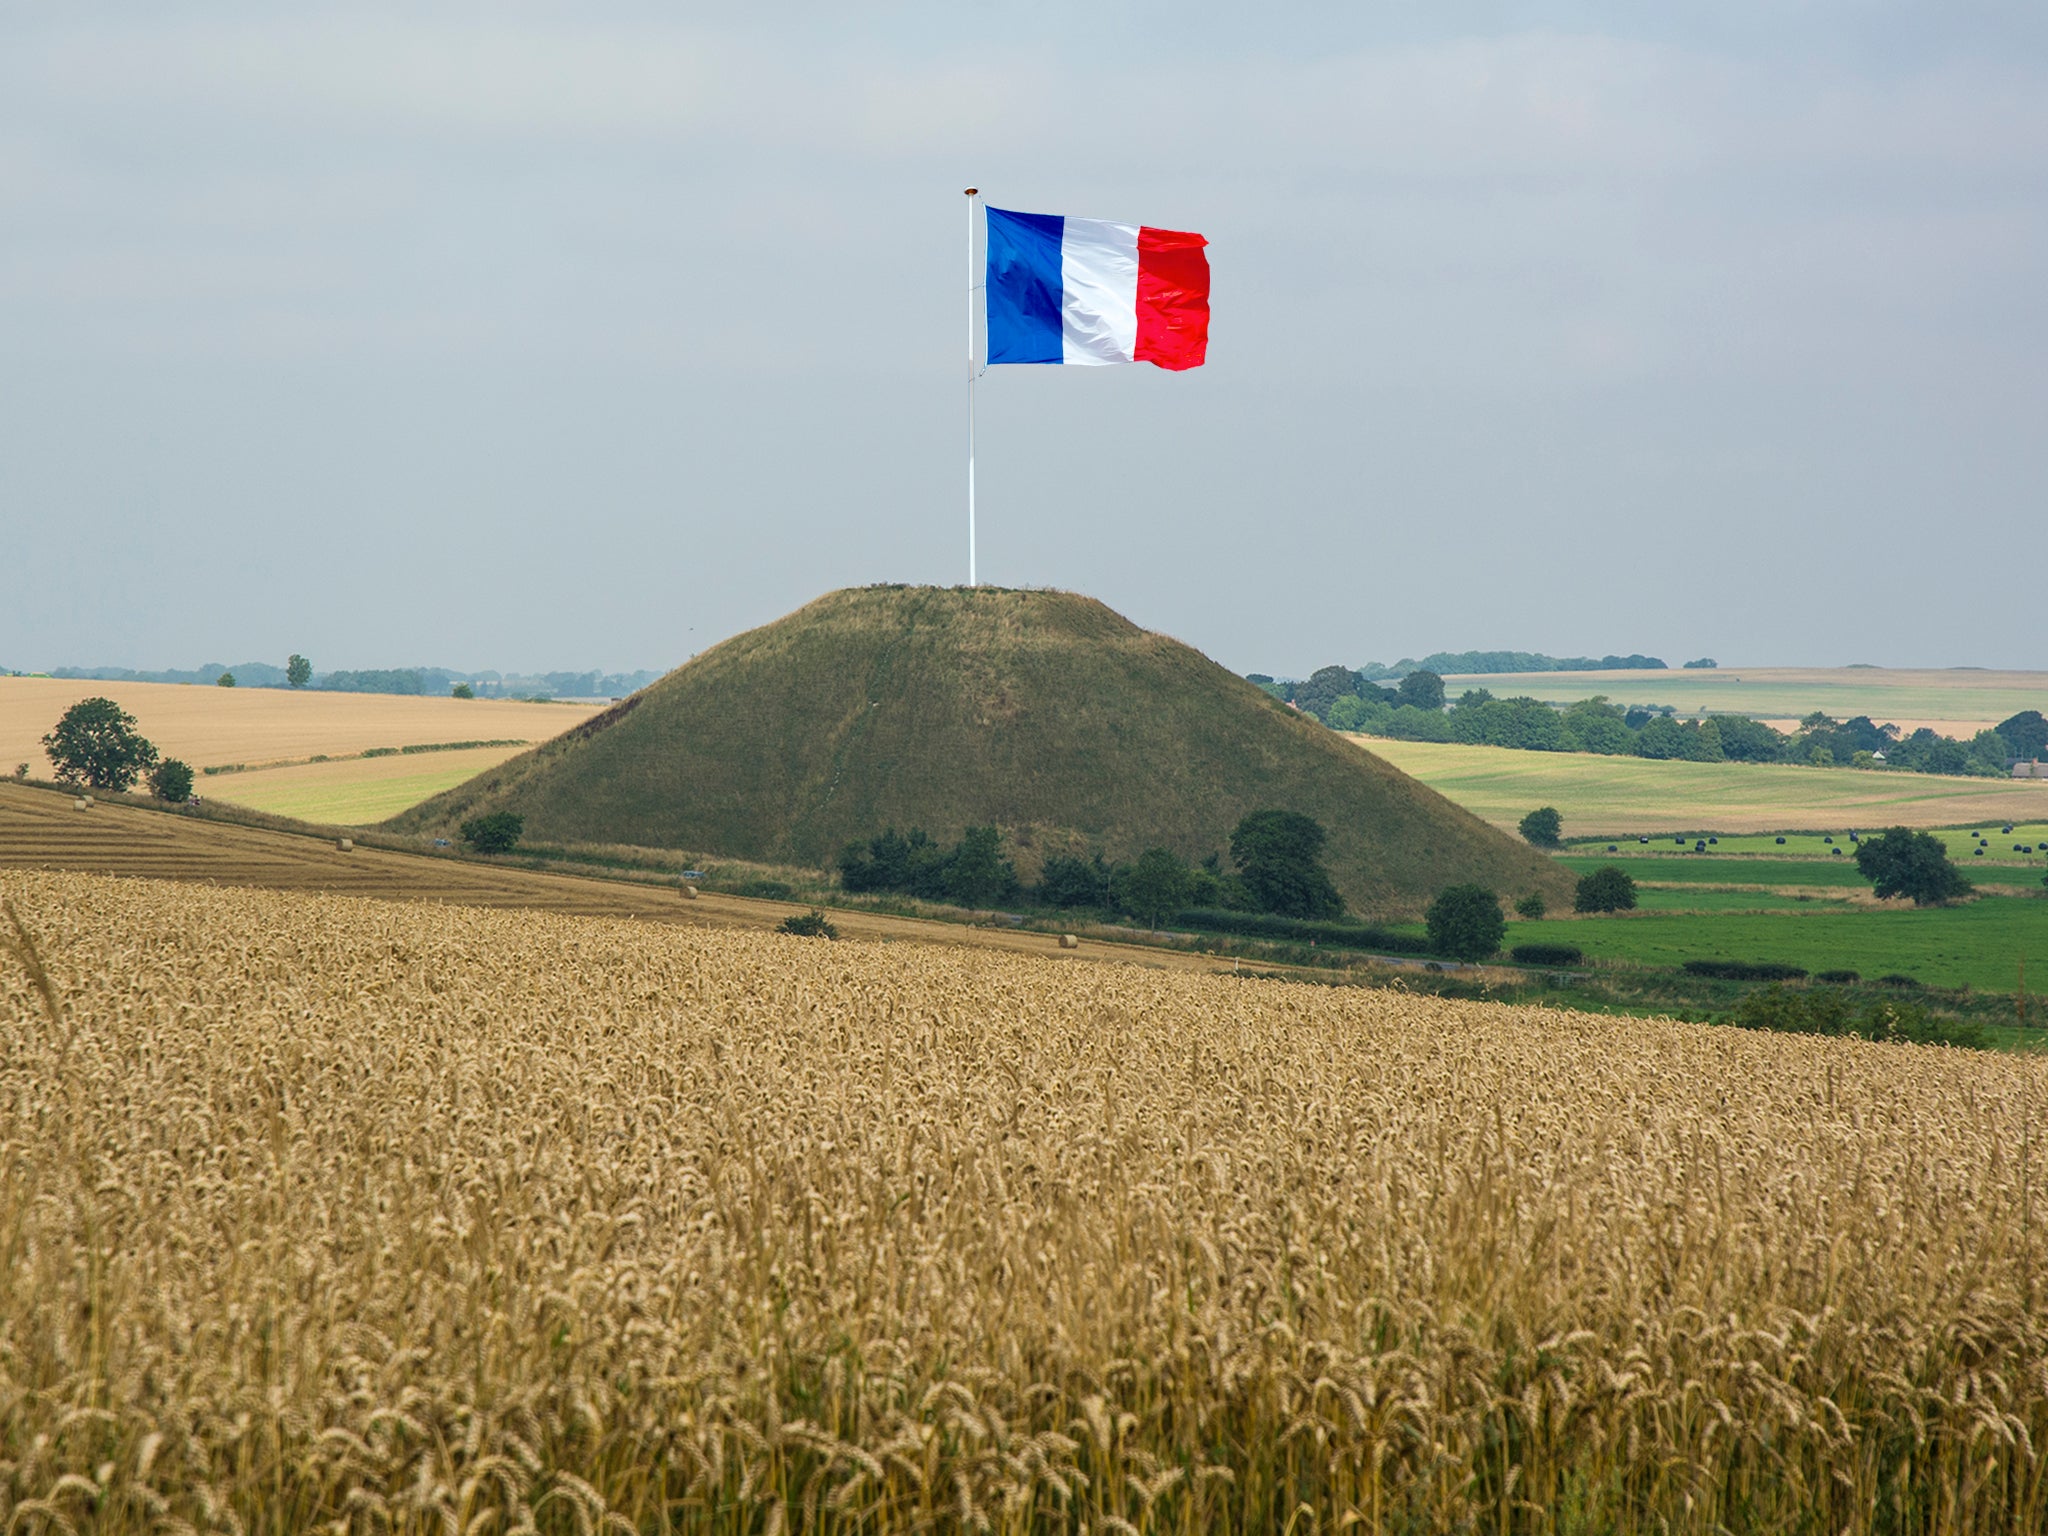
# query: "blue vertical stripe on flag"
(1024, 293)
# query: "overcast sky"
(538, 336)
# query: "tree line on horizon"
(1417, 710)
(297, 672)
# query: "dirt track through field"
(41, 829)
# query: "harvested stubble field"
(323, 1213)
(1950, 700)
(207, 727)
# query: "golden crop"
(317, 1212)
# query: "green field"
(1979, 944)
(1619, 797)
(353, 792)
(1694, 869)
(1957, 697)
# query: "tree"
(1068, 881)
(2026, 733)
(96, 744)
(977, 874)
(1156, 885)
(462, 691)
(1423, 690)
(1607, 889)
(1277, 854)
(1902, 862)
(1532, 906)
(225, 680)
(1542, 826)
(497, 832)
(1465, 922)
(298, 671)
(171, 781)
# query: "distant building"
(2029, 770)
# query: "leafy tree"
(1607, 889)
(2025, 734)
(1156, 885)
(977, 874)
(225, 680)
(1068, 881)
(297, 670)
(1532, 906)
(1356, 712)
(1902, 862)
(1749, 741)
(1542, 826)
(462, 691)
(497, 832)
(1325, 686)
(171, 781)
(1465, 922)
(809, 925)
(1278, 856)
(1423, 690)
(1662, 738)
(96, 744)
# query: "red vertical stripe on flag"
(1173, 299)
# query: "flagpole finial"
(974, 191)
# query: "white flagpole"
(971, 191)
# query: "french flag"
(1087, 291)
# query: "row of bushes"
(1265, 925)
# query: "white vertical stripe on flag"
(1099, 277)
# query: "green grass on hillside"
(1697, 870)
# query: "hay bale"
(1068, 941)
(83, 802)
(687, 891)
(345, 845)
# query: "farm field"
(207, 727)
(1630, 796)
(40, 830)
(352, 792)
(1979, 944)
(336, 1213)
(1957, 701)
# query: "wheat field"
(321, 1213)
(207, 727)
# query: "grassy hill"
(1044, 713)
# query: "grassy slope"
(1042, 712)
(1624, 796)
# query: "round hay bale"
(345, 844)
(1068, 941)
(687, 891)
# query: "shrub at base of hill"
(1744, 970)
(1264, 925)
(1546, 954)
(1902, 862)
(973, 872)
(1532, 906)
(1279, 857)
(1543, 826)
(1607, 889)
(1466, 922)
(499, 832)
(171, 781)
(1827, 1011)
(96, 744)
